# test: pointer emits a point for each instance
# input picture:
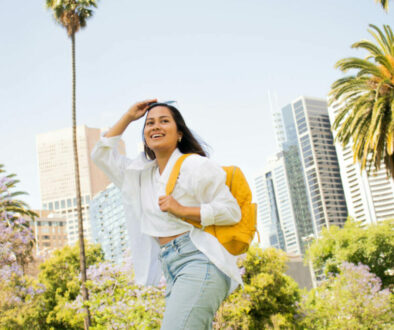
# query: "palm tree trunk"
(84, 290)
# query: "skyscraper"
(304, 176)
(370, 198)
(56, 171)
(108, 221)
(275, 211)
(319, 163)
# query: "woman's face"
(160, 131)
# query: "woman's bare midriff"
(165, 240)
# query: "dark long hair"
(189, 143)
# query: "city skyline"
(220, 72)
(56, 172)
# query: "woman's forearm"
(135, 112)
(190, 213)
(120, 126)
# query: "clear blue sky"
(217, 58)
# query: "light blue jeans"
(195, 286)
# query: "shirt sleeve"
(217, 205)
(106, 156)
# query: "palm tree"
(384, 3)
(72, 15)
(365, 102)
(10, 207)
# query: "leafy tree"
(372, 246)
(268, 298)
(365, 102)
(72, 15)
(60, 275)
(353, 299)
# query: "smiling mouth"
(156, 136)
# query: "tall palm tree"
(384, 3)
(72, 15)
(365, 102)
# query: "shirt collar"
(141, 163)
(170, 164)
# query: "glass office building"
(275, 211)
(108, 223)
(300, 190)
(320, 163)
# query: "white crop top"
(155, 222)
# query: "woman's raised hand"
(137, 110)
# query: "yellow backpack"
(235, 238)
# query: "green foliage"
(268, 298)
(18, 298)
(372, 246)
(351, 300)
(117, 302)
(365, 101)
(60, 277)
(17, 291)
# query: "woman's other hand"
(170, 204)
(137, 110)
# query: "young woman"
(199, 271)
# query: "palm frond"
(384, 3)
(369, 46)
(380, 38)
(365, 67)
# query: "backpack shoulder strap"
(175, 173)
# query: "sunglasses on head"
(155, 104)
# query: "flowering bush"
(116, 302)
(17, 291)
(353, 299)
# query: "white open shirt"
(201, 183)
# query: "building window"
(50, 206)
(56, 205)
(63, 204)
(69, 202)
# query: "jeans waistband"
(176, 241)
